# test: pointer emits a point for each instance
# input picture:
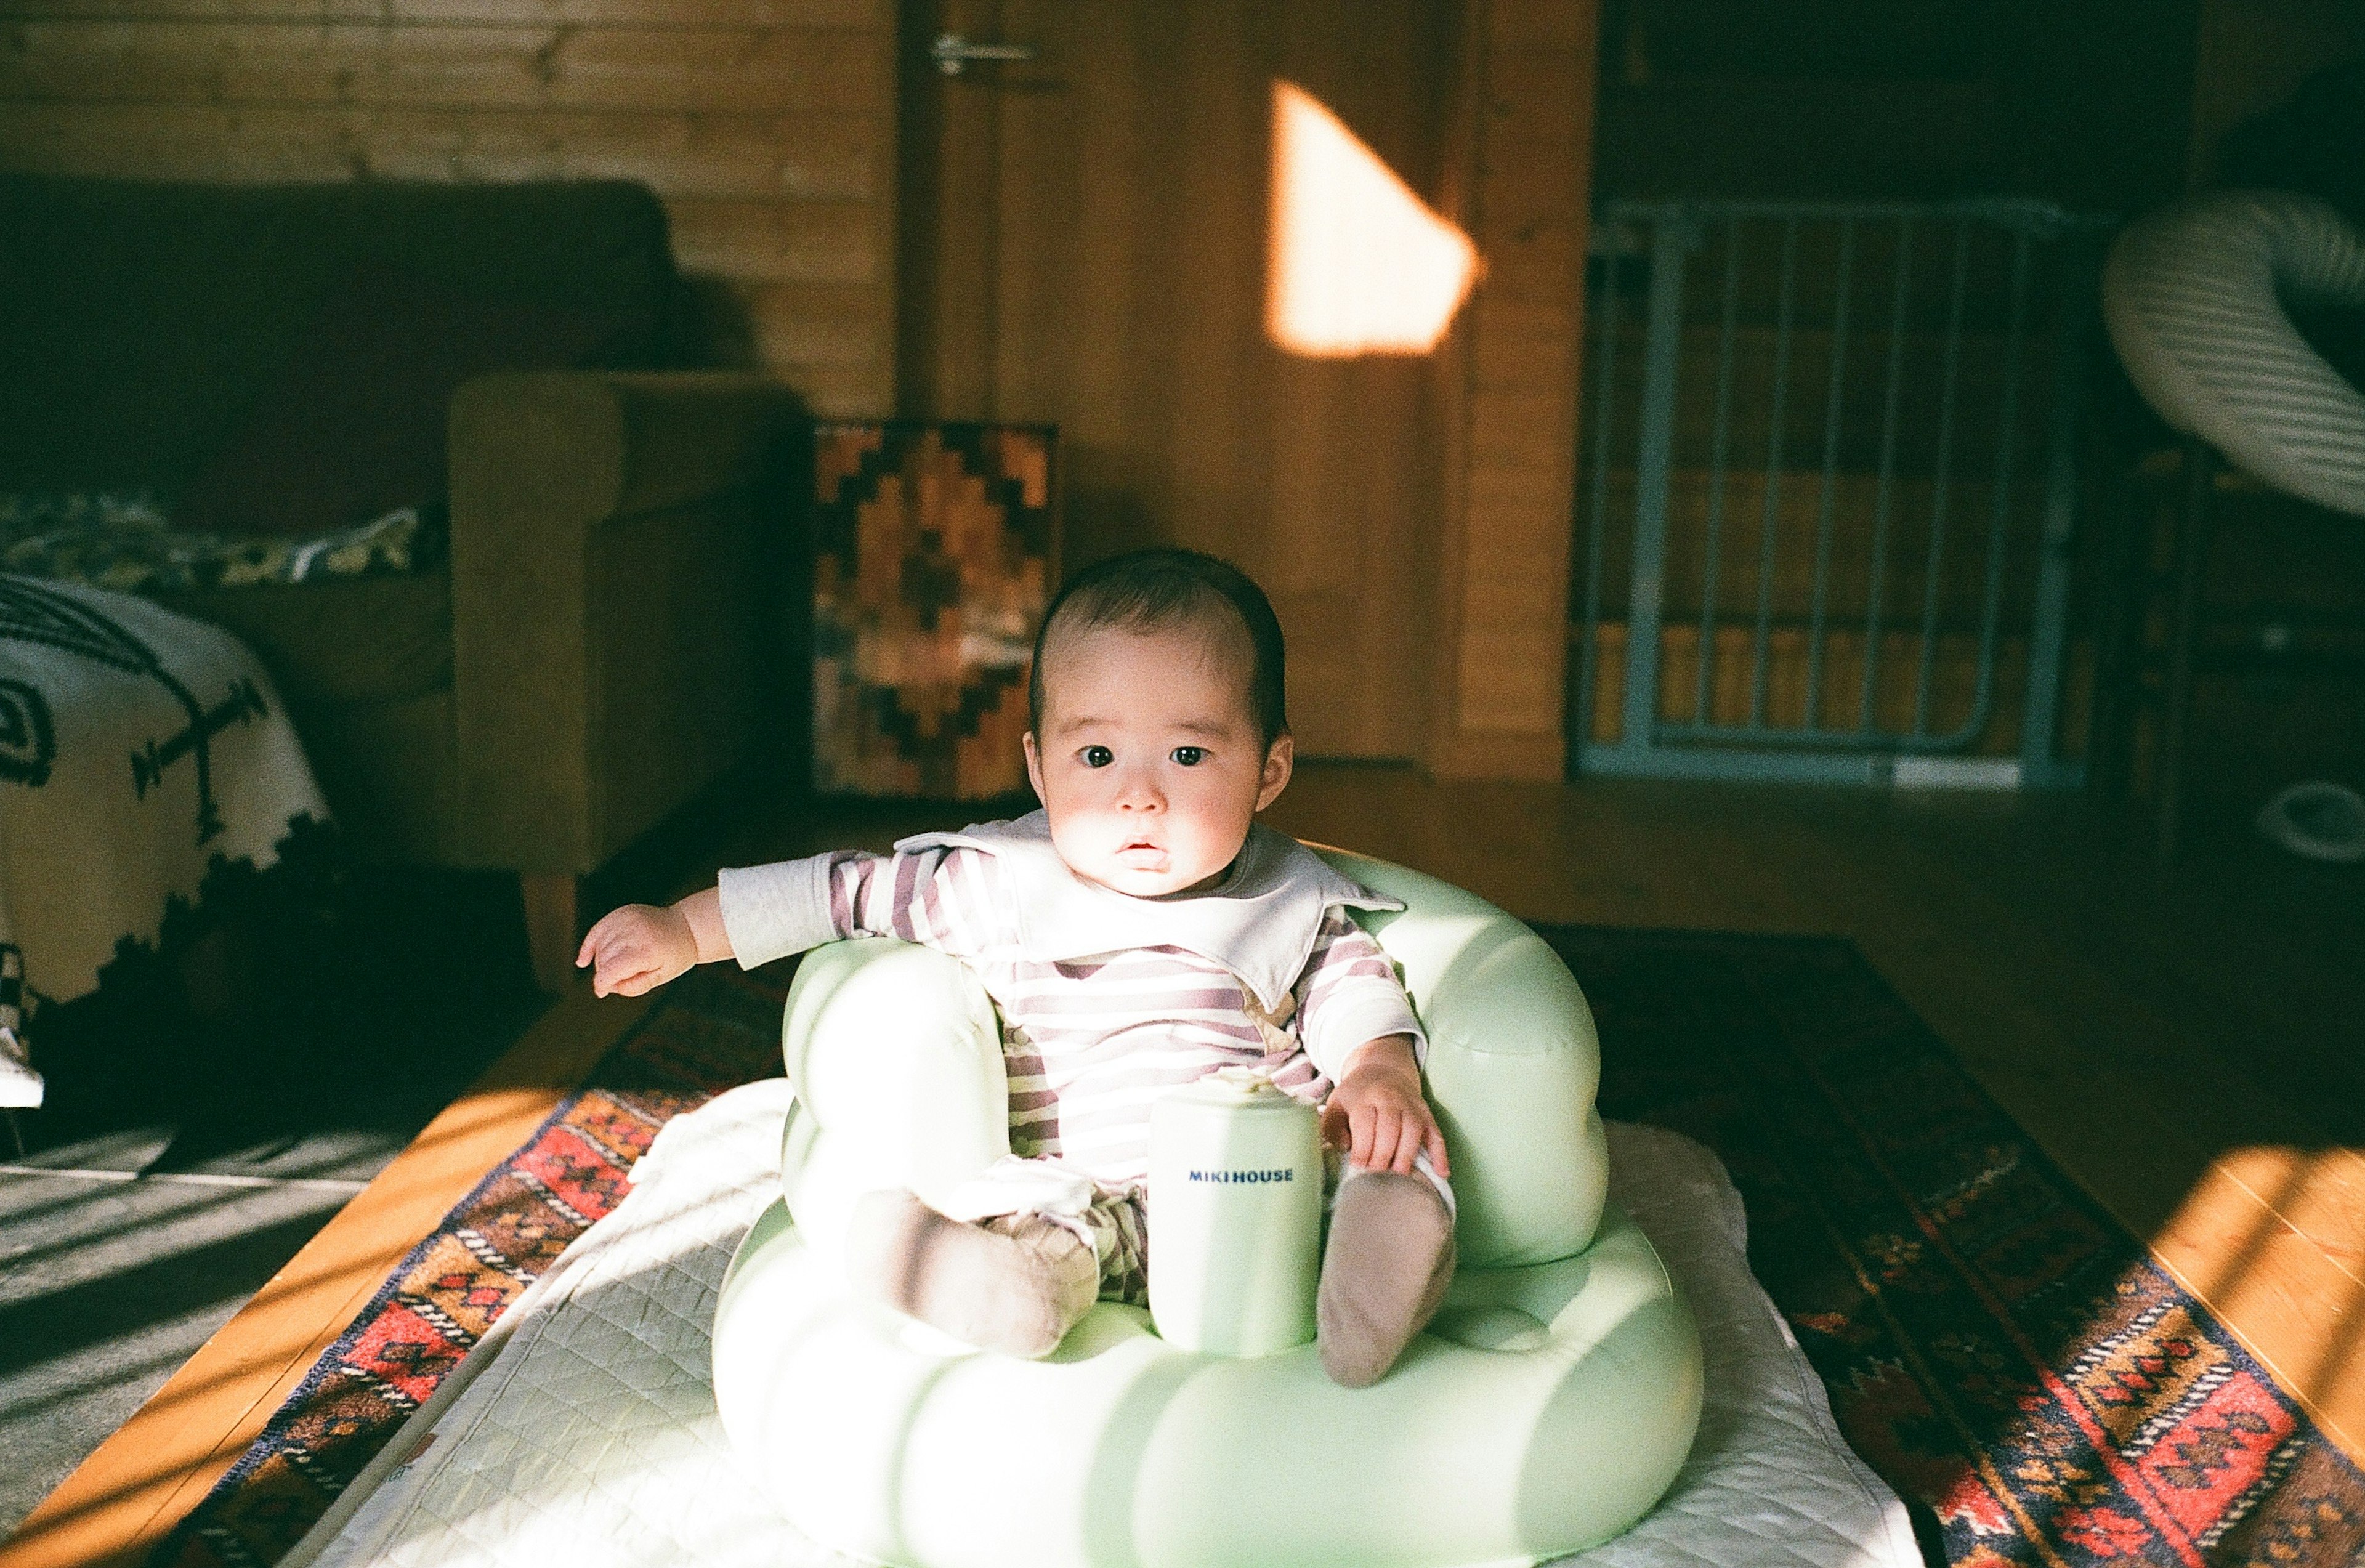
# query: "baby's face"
(1149, 765)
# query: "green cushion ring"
(1547, 1408)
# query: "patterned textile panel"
(935, 550)
(94, 852)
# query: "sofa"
(572, 655)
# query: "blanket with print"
(138, 748)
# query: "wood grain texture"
(858, 14)
(1508, 388)
(128, 1493)
(1106, 268)
(425, 67)
(767, 127)
(1106, 271)
(761, 240)
(2269, 1239)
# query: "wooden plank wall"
(767, 126)
(1521, 185)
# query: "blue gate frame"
(1651, 743)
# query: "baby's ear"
(1034, 761)
(1278, 758)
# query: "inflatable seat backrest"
(895, 1053)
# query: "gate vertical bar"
(1884, 491)
(2007, 453)
(1605, 391)
(1720, 450)
(1834, 410)
(1769, 526)
(1654, 454)
(1938, 484)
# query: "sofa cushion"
(353, 426)
(338, 643)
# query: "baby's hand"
(1378, 1112)
(638, 948)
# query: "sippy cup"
(1235, 1215)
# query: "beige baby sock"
(1015, 1284)
(1389, 1259)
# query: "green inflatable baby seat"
(1547, 1408)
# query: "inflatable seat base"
(1547, 1409)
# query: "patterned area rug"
(2006, 1357)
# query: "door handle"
(953, 54)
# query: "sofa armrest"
(606, 588)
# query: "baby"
(1139, 932)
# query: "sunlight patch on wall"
(1360, 265)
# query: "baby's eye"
(1096, 757)
(1189, 755)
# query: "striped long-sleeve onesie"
(1093, 1031)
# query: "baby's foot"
(1389, 1260)
(1016, 1285)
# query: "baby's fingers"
(619, 960)
(1435, 1144)
(1359, 1130)
(610, 935)
(638, 982)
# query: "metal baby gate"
(1827, 487)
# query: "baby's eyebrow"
(1212, 728)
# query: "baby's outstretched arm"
(1379, 1112)
(640, 947)
(945, 898)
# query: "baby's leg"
(1015, 1284)
(1383, 1273)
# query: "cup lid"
(1247, 1087)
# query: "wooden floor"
(2189, 1048)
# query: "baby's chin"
(1142, 882)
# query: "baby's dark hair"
(1151, 590)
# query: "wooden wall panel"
(1508, 390)
(767, 126)
(807, 15)
(1089, 242)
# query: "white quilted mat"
(582, 1431)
